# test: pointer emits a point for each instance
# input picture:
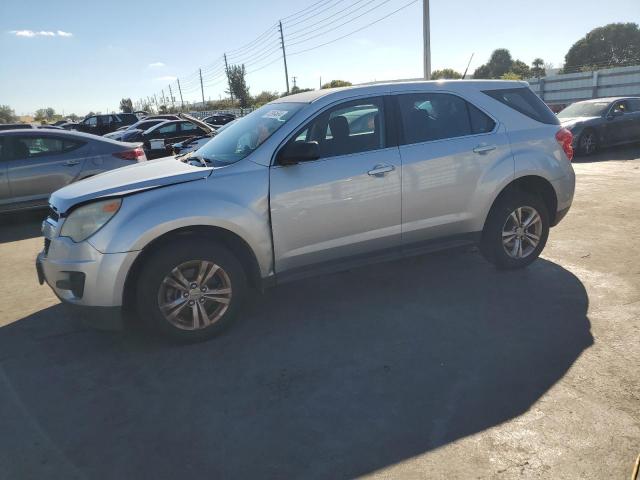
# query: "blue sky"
(77, 56)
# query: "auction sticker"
(277, 114)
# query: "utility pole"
(320, 82)
(226, 69)
(294, 81)
(180, 90)
(284, 56)
(173, 103)
(201, 87)
(426, 37)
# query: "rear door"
(447, 146)
(41, 164)
(4, 180)
(620, 124)
(634, 112)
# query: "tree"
(337, 83)
(126, 105)
(499, 63)
(7, 115)
(238, 84)
(537, 68)
(448, 73)
(614, 45)
(510, 76)
(264, 97)
(520, 69)
(44, 114)
(162, 109)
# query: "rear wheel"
(190, 290)
(588, 142)
(516, 231)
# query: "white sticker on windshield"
(277, 114)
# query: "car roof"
(388, 86)
(607, 99)
(53, 133)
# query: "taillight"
(565, 139)
(134, 154)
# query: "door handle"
(71, 163)
(484, 148)
(380, 170)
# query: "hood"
(573, 120)
(205, 126)
(124, 181)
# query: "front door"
(347, 202)
(40, 164)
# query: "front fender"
(236, 201)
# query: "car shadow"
(330, 377)
(622, 152)
(17, 226)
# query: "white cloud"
(156, 65)
(41, 33)
(166, 78)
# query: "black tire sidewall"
(491, 245)
(167, 257)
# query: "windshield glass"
(584, 109)
(242, 137)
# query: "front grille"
(47, 243)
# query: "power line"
(384, 2)
(294, 32)
(311, 8)
(355, 31)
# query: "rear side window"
(634, 104)
(523, 100)
(437, 116)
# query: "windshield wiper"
(203, 161)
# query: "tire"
(198, 293)
(587, 142)
(503, 218)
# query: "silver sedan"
(35, 163)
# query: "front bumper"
(79, 274)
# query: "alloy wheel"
(521, 232)
(195, 295)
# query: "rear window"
(526, 102)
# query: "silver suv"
(314, 182)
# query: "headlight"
(86, 220)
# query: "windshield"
(245, 135)
(584, 109)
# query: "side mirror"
(298, 152)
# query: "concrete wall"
(572, 87)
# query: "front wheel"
(516, 231)
(190, 290)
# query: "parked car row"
(602, 122)
(35, 162)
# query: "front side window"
(351, 127)
(91, 121)
(171, 128)
(620, 107)
(187, 127)
(244, 136)
(436, 116)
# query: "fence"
(238, 112)
(572, 87)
